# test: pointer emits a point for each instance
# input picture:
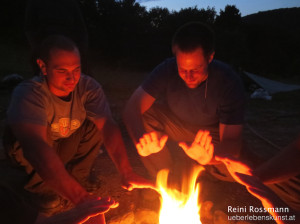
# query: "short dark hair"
(52, 42)
(193, 35)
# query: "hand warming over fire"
(132, 180)
(91, 207)
(267, 197)
(243, 174)
(94, 207)
(201, 150)
(150, 143)
(235, 166)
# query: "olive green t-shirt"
(32, 102)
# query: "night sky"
(246, 7)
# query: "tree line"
(125, 33)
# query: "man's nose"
(70, 77)
(189, 75)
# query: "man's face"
(193, 66)
(62, 71)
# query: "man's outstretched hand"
(131, 181)
(150, 143)
(267, 197)
(201, 150)
(258, 189)
(90, 207)
(243, 174)
(235, 166)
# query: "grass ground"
(276, 120)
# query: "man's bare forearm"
(134, 124)
(282, 166)
(226, 148)
(115, 146)
(137, 105)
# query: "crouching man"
(56, 123)
(182, 96)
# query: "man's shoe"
(47, 204)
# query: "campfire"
(168, 205)
(179, 207)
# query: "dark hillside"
(287, 19)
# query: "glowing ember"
(179, 207)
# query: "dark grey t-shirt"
(32, 102)
(224, 102)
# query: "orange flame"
(179, 207)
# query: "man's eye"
(199, 70)
(61, 71)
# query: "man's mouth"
(70, 85)
(191, 82)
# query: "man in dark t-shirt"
(184, 99)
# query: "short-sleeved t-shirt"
(32, 102)
(224, 101)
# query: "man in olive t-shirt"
(56, 124)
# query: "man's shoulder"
(34, 86)
(88, 83)
(165, 70)
(169, 63)
(219, 66)
(222, 71)
(87, 78)
(162, 78)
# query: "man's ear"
(211, 57)
(42, 66)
